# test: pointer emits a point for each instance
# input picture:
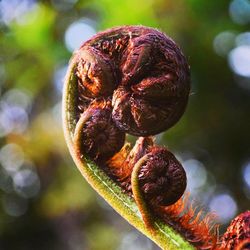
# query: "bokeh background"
(44, 201)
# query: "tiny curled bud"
(162, 177)
(157, 179)
(96, 134)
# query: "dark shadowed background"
(44, 201)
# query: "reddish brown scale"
(191, 223)
(142, 146)
(237, 236)
(113, 46)
(101, 139)
(122, 163)
(82, 102)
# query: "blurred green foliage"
(65, 213)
